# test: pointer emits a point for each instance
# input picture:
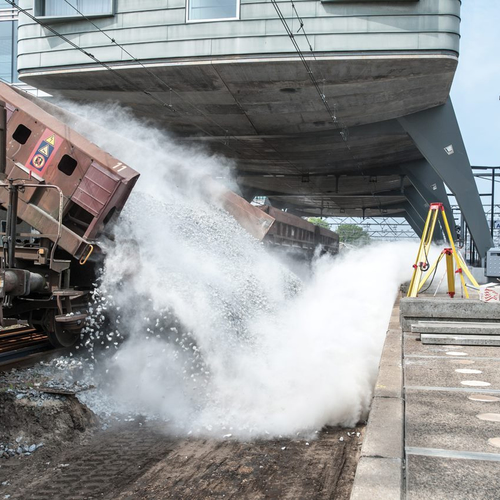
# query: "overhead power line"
(344, 132)
(224, 140)
(304, 60)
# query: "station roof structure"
(327, 108)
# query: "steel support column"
(414, 220)
(421, 210)
(430, 186)
(436, 133)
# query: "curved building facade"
(373, 61)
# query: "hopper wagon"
(292, 232)
(59, 193)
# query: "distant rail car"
(296, 233)
(65, 190)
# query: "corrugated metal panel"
(95, 189)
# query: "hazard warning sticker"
(43, 152)
(38, 162)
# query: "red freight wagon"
(65, 189)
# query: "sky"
(476, 87)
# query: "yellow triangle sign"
(51, 140)
(44, 150)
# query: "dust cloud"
(196, 323)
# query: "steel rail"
(19, 344)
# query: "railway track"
(22, 345)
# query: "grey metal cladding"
(152, 32)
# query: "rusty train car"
(292, 232)
(65, 190)
(59, 192)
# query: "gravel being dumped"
(174, 304)
(202, 329)
(193, 323)
(196, 324)
(171, 314)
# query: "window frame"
(37, 4)
(236, 18)
(10, 15)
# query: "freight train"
(294, 233)
(60, 192)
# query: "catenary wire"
(344, 132)
(224, 141)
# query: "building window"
(8, 44)
(212, 10)
(63, 9)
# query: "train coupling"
(20, 282)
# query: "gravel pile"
(8, 450)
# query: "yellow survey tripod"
(421, 265)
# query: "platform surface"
(435, 416)
(448, 452)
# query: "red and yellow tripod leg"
(450, 271)
(423, 249)
(463, 266)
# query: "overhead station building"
(327, 107)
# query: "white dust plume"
(219, 336)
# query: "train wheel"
(57, 334)
(60, 337)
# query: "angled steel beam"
(421, 208)
(436, 133)
(414, 219)
(430, 187)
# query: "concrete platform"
(435, 372)
(446, 309)
(445, 412)
(452, 425)
(455, 327)
(414, 348)
(440, 478)
(464, 340)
